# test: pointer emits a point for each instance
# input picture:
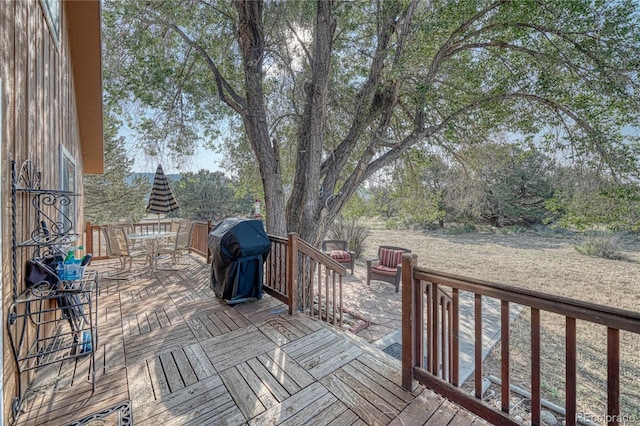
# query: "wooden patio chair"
(338, 250)
(387, 266)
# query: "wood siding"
(38, 115)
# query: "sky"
(203, 159)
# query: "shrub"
(603, 245)
(391, 225)
(351, 230)
(456, 230)
(513, 229)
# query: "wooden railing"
(199, 239)
(291, 261)
(306, 279)
(431, 319)
(279, 282)
(94, 238)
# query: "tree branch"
(498, 44)
(366, 109)
(361, 173)
(235, 101)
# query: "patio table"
(152, 240)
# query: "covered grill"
(239, 248)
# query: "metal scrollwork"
(29, 177)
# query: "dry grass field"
(546, 262)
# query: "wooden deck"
(170, 353)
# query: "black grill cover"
(239, 248)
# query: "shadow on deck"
(170, 353)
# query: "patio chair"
(118, 246)
(182, 241)
(175, 224)
(338, 250)
(387, 266)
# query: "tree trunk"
(306, 194)
(251, 40)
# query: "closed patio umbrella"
(161, 199)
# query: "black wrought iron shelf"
(38, 306)
(49, 240)
(53, 192)
(47, 323)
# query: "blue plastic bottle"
(86, 341)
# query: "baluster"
(478, 344)
(443, 335)
(613, 376)
(504, 350)
(455, 335)
(535, 367)
(571, 371)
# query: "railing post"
(292, 272)
(613, 376)
(408, 323)
(206, 239)
(88, 236)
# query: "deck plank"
(157, 342)
(239, 320)
(158, 379)
(45, 409)
(383, 364)
(306, 345)
(173, 313)
(330, 361)
(370, 389)
(244, 397)
(290, 407)
(210, 326)
(140, 386)
(462, 418)
(201, 309)
(184, 366)
(264, 389)
(359, 405)
(171, 371)
(390, 408)
(130, 325)
(183, 356)
(369, 381)
(348, 418)
(227, 415)
(419, 410)
(235, 347)
(315, 410)
(278, 357)
(199, 329)
(329, 414)
(114, 355)
(273, 382)
(443, 416)
(381, 381)
(224, 412)
(143, 321)
(217, 320)
(206, 393)
(199, 361)
(152, 318)
(275, 333)
(163, 318)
